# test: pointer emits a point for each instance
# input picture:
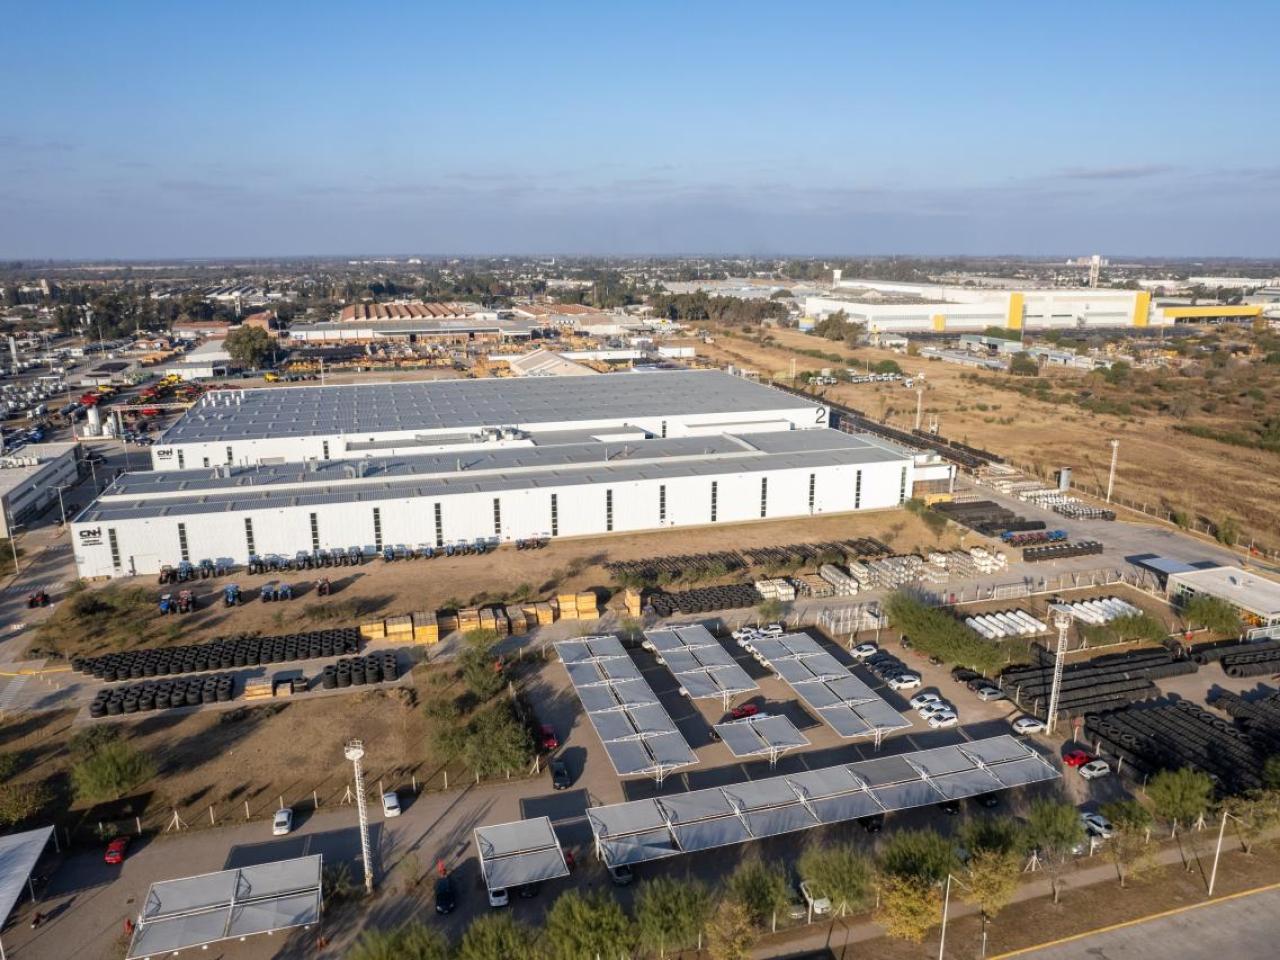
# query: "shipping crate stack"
(374, 630)
(566, 606)
(633, 600)
(469, 619)
(587, 609)
(400, 629)
(519, 622)
(447, 621)
(426, 628)
(259, 688)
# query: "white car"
(1094, 769)
(282, 822)
(933, 709)
(920, 699)
(990, 693)
(819, 904)
(390, 805)
(499, 897)
(940, 720)
(904, 681)
(864, 650)
(746, 633)
(772, 630)
(1096, 825)
(1028, 725)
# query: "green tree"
(589, 925)
(936, 632)
(497, 742)
(1054, 829)
(840, 872)
(111, 772)
(1129, 847)
(921, 854)
(496, 935)
(1181, 796)
(730, 932)
(998, 834)
(1212, 614)
(1227, 531)
(19, 802)
(769, 610)
(481, 672)
(670, 913)
(1256, 814)
(413, 941)
(482, 640)
(1024, 365)
(991, 877)
(759, 887)
(909, 906)
(249, 346)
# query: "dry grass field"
(1158, 464)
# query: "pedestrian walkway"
(10, 692)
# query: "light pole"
(12, 529)
(946, 905)
(62, 507)
(1213, 874)
(1111, 478)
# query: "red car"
(116, 849)
(548, 738)
(744, 710)
(1077, 758)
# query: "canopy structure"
(761, 736)
(636, 730)
(19, 853)
(653, 829)
(704, 669)
(845, 703)
(520, 853)
(229, 904)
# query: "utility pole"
(919, 405)
(1063, 623)
(354, 752)
(1111, 479)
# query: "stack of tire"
(152, 695)
(1061, 551)
(1101, 683)
(1172, 735)
(360, 671)
(221, 654)
(1206, 653)
(1259, 719)
(707, 599)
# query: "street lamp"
(946, 904)
(1213, 874)
(62, 507)
(12, 529)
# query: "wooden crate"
(518, 621)
(447, 621)
(500, 622)
(399, 626)
(259, 688)
(546, 613)
(426, 628)
(377, 630)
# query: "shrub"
(110, 772)
(936, 632)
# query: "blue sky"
(137, 129)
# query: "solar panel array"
(642, 830)
(760, 736)
(704, 669)
(636, 730)
(844, 702)
(520, 853)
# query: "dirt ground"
(1040, 921)
(258, 755)
(1158, 465)
(568, 565)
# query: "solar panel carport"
(520, 853)
(844, 702)
(761, 736)
(641, 830)
(196, 911)
(704, 669)
(19, 853)
(637, 732)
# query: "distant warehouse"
(293, 471)
(266, 426)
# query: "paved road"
(1245, 927)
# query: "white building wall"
(146, 544)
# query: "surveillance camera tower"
(354, 751)
(1063, 623)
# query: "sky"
(137, 130)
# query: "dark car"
(950, 807)
(873, 823)
(560, 778)
(528, 891)
(446, 895)
(988, 800)
(962, 674)
(621, 875)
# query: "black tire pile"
(706, 599)
(1062, 551)
(223, 654)
(1259, 719)
(163, 695)
(1241, 659)
(1170, 735)
(985, 516)
(1101, 683)
(360, 671)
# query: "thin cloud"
(1139, 171)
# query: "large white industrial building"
(492, 460)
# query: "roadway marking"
(10, 692)
(1133, 923)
